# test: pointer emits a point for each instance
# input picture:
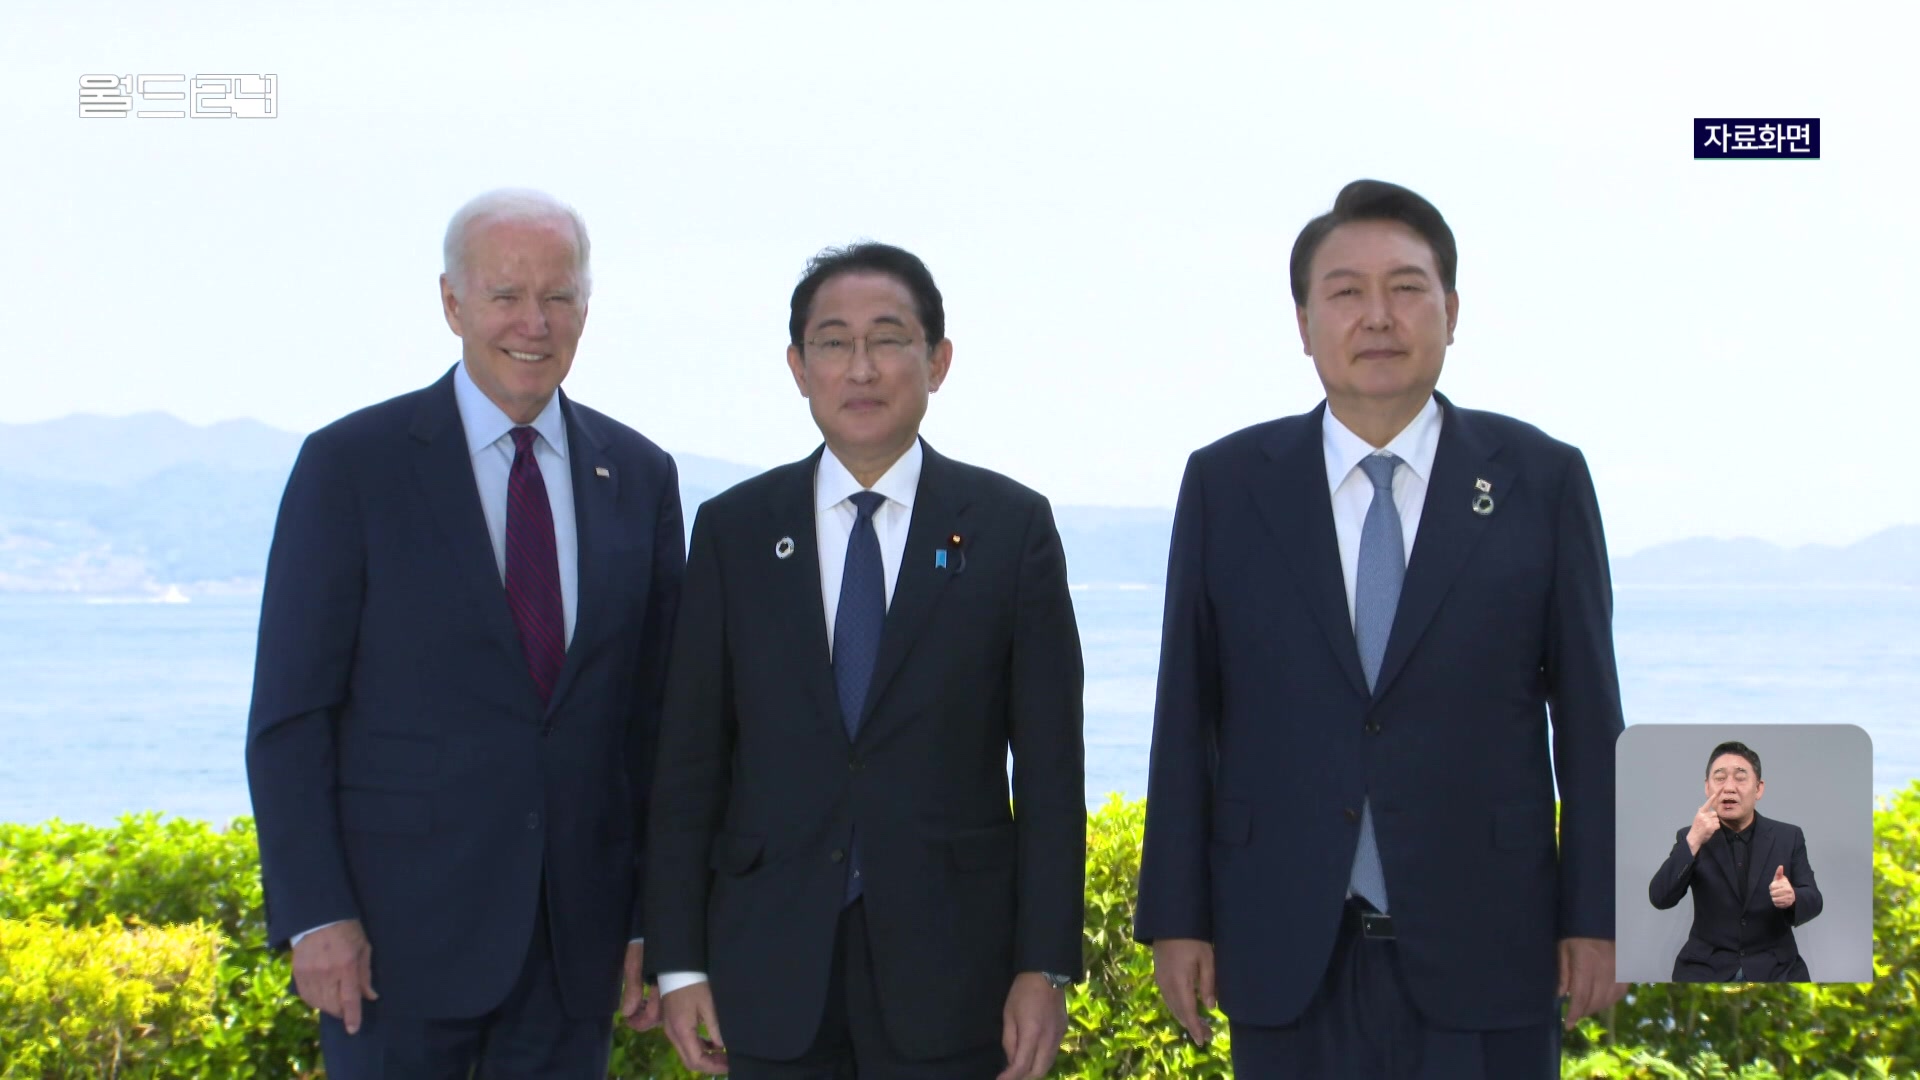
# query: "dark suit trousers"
(1362, 1025)
(853, 1040)
(1755, 967)
(529, 1036)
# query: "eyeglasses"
(884, 347)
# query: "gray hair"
(512, 204)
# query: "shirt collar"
(1416, 444)
(833, 484)
(485, 424)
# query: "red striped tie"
(533, 567)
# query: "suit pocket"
(1520, 826)
(374, 759)
(1233, 822)
(735, 853)
(362, 810)
(982, 849)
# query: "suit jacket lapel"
(793, 585)
(1760, 860)
(937, 511)
(1449, 528)
(1292, 497)
(595, 500)
(444, 470)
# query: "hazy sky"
(1106, 192)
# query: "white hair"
(512, 204)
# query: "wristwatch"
(1058, 982)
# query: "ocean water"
(107, 708)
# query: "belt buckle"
(1376, 926)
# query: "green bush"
(80, 902)
(144, 870)
(149, 872)
(1115, 1023)
(102, 1001)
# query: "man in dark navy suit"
(1373, 612)
(840, 882)
(458, 682)
(1756, 884)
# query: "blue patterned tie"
(862, 611)
(1376, 595)
(856, 634)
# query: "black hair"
(870, 258)
(1375, 200)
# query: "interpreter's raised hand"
(1183, 968)
(1031, 1026)
(639, 1005)
(1781, 889)
(1586, 977)
(333, 971)
(685, 1013)
(1706, 822)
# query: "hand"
(1031, 1026)
(333, 970)
(1706, 822)
(1781, 889)
(1184, 969)
(685, 1012)
(640, 1009)
(1586, 977)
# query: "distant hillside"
(1890, 557)
(129, 505)
(134, 504)
(115, 450)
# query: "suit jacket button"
(1372, 728)
(837, 855)
(533, 821)
(1352, 814)
(853, 765)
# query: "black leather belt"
(1362, 917)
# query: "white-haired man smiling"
(462, 643)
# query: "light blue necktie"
(857, 623)
(1376, 595)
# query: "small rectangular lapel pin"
(939, 558)
(601, 472)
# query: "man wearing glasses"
(838, 882)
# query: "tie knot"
(1379, 469)
(523, 439)
(866, 502)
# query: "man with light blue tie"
(461, 659)
(1373, 612)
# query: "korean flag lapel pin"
(1483, 497)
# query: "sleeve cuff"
(294, 941)
(679, 980)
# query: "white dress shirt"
(490, 445)
(833, 518)
(490, 449)
(1352, 492)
